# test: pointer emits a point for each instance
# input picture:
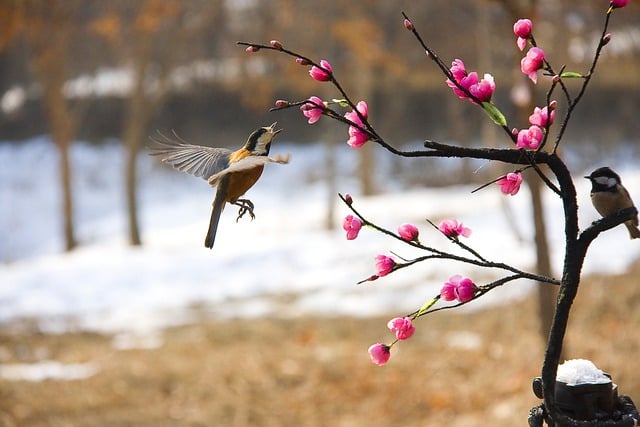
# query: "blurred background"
(99, 238)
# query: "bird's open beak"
(273, 130)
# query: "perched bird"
(609, 196)
(232, 172)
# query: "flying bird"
(233, 173)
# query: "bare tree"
(48, 27)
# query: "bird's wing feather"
(196, 160)
(246, 163)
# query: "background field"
(459, 369)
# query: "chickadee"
(609, 196)
(232, 172)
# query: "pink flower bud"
(466, 290)
(448, 291)
(302, 61)
(379, 353)
(276, 44)
(357, 138)
(458, 288)
(606, 39)
(402, 327)
(348, 199)
(619, 3)
(510, 183)
(281, 103)
(452, 228)
(553, 105)
(251, 49)
(322, 73)
(530, 138)
(541, 117)
(522, 28)
(481, 89)
(532, 62)
(313, 109)
(408, 232)
(352, 226)
(384, 265)
(408, 25)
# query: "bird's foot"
(246, 206)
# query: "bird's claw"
(246, 206)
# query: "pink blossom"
(379, 353)
(357, 138)
(522, 29)
(448, 291)
(619, 3)
(481, 89)
(384, 265)
(452, 228)
(322, 73)
(458, 288)
(312, 109)
(352, 226)
(458, 69)
(402, 327)
(541, 117)
(510, 183)
(408, 232)
(530, 138)
(466, 290)
(459, 73)
(532, 62)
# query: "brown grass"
(316, 372)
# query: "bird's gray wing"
(196, 160)
(246, 164)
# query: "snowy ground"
(284, 263)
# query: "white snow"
(285, 263)
(47, 370)
(580, 371)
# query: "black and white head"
(259, 141)
(604, 179)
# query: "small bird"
(232, 172)
(609, 196)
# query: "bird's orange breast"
(241, 182)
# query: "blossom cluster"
(465, 85)
(470, 84)
(541, 119)
(457, 288)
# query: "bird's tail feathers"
(634, 232)
(218, 206)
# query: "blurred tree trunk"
(135, 128)
(49, 36)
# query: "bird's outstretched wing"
(196, 160)
(246, 164)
